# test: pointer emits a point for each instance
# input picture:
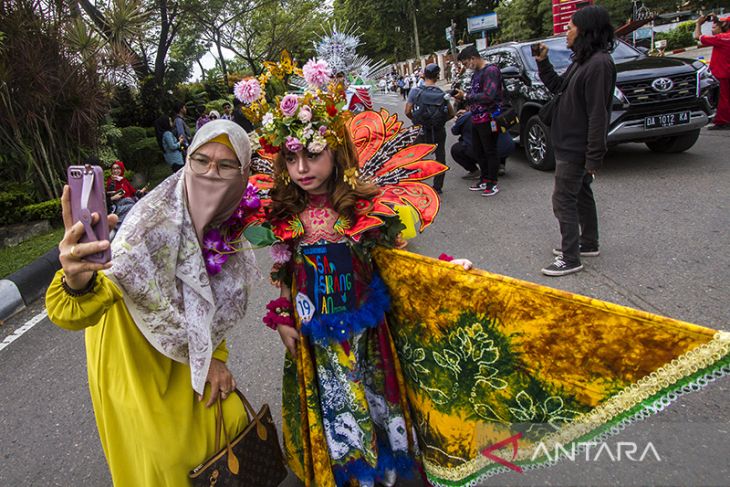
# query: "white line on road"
(23, 329)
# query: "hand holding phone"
(87, 196)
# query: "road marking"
(23, 329)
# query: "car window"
(503, 58)
(559, 53)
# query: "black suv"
(660, 101)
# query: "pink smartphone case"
(95, 204)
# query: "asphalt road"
(665, 229)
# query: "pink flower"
(293, 144)
(322, 130)
(289, 105)
(280, 253)
(305, 114)
(317, 73)
(247, 90)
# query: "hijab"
(212, 199)
(157, 263)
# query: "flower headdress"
(313, 120)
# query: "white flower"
(317, 145)
(305, 114)
(267, 119)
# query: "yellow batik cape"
(499, 370)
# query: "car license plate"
(666, 120)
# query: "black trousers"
(436, 136)
(575, 209)
(463, 157)
(485, 148)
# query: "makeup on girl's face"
(310, 171)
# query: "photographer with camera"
(719, 63)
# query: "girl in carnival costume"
(332, 192)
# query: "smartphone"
(535, 49)
(88, 196)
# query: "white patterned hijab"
(158, 264)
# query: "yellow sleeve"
(77, 313)
(221, 353)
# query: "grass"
(14, 258)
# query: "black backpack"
(430, 108)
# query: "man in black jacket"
(578, 131)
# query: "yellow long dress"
(152, 427)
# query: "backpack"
(430, 108)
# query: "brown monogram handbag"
(251, 459)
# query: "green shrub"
(11, 203)
(143, 154)
(129, 137)
(48, 210)
(679, 37)
(150, 132)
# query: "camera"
(711, 18)
(535, 49)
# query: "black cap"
(431, 69)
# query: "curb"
(684, 49)
(26, 285)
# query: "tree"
(520, 20)
(272, 27)
(51, 98)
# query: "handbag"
(548, 109)
(251, 459)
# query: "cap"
(724, 19)
(431, 69)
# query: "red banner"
(563, 10)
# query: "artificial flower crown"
(313, 120)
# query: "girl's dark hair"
(595, 33)
(162, 125)
(289, 200)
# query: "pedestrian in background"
(203, 117)
(240, 118)
(484, 98)
(156, 321)
(463, 150)
(181, 128)
(430, 107)
(227, 115)
(578, 131)
(172, 148)
(719, 64)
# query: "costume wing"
(390, 158)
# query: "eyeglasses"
(227, 169)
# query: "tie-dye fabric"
(493, 362)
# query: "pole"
(452, 41)
(415, 30)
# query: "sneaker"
(561, 268)
(478, 186)
(501, 171)
(475, 174)
(490, 190)
(584, 252)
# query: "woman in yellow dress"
(156, 317)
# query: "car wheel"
(675, 143)
(538, 148)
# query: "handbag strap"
(261, 431)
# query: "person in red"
(117, 186)
(120, 192)
(719, 63)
